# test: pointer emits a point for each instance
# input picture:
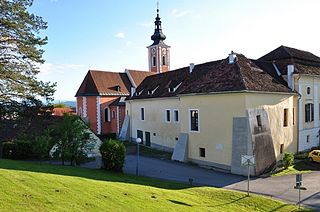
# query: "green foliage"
(72, 139)
(42, 145)
(17, 150)
(288, 159)
(113, 154)
(9, 150)
(20, 56)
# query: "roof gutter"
(241, 91)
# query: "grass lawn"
(34, 187)
(301, 166)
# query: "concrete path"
(277, 187)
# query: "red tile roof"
(61, 111)
(104, 83)
(138, 76)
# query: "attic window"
(150, 92)
(138, 93)
(171, 90)
(117, 88)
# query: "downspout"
(299, 99)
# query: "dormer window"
(138, 93)
(150, 92)
(173, 89)
(117, 88)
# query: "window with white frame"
(142, 114)
(308, 90)
(194, 120)
(176, 116)
(308, 112)
(168, 116)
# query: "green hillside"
(34, 187)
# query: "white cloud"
(119, 35)
(49, 68)
(177, 13)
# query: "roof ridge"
(241, 75)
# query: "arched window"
(106, 115)
(308, 90)
(163, 60)
(154, 61)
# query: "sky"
(112, 35)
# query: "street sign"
(247, 160)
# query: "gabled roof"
(305, 62)
(215, 76)
(136, 77)
(284, 52)
(104, 83)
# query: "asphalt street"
(281, 187)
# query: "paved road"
(277, 187)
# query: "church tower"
(158, 52)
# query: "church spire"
(158, 37)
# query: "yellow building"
(301, 70)
(213, 113)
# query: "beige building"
(301, 70)
(213, 113)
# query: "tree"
(20, 56)
(72, 139)
(113, 155)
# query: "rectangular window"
(259, 121)
(142, 114)
(113, 114)
(309, 114)
(176, 115)
(163, 60)
(281, 148)
(168, 116)
(202, 152)
(194, 120)
(308, 138)
(285, 117)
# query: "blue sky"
(112, 35)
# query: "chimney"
(191, 67)
(290, 69)
(232, 57)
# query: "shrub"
(41, 145)
(9, 150)
(288, 159)
(17, 150)
(113, 154)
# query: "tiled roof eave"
(113, 94)
(240, 91)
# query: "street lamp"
(138, 141)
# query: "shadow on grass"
(94, 174)
(306, 165)
(180, 203)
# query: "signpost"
(248, 160)
(299, 186)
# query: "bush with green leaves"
(288, 159)
(42, 145)
(72, 136)
(113, 154)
